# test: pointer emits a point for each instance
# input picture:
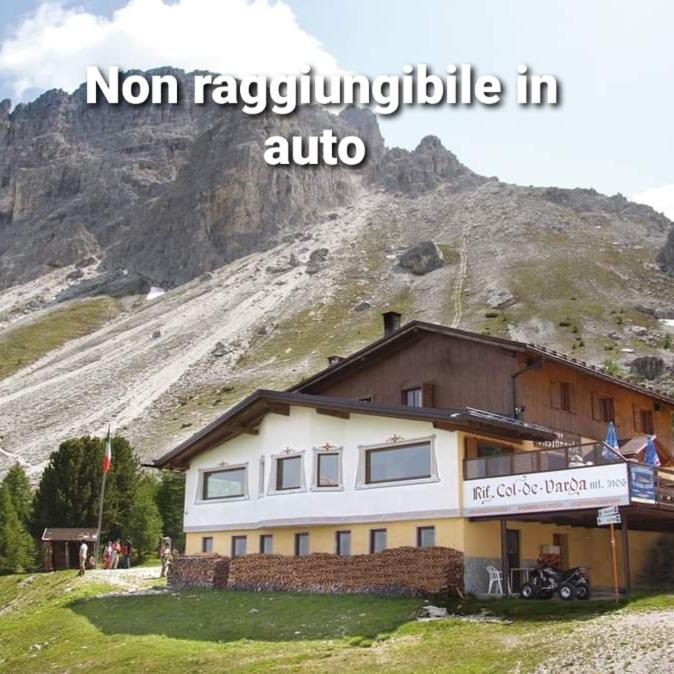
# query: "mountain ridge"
(267, 271)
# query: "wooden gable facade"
(456, 369)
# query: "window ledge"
(224, 499)
(399, 483)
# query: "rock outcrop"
(422, 258)
(428, 166)
(168, 193)
(666, 255)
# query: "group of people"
(117, 554)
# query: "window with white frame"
(327, 468)
(226, 483)
(398, 463)
(288, 473)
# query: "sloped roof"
(415, 329)
(247, 415)
(70, 534)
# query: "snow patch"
(155, 292)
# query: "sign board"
(642, 483)
(604, 520)
(610, 511)
(569, 489)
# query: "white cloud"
(660, 198)
(53, 46)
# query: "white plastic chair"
(495, 580)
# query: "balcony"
(538, 461)
(575, 477)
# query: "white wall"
(303, 430)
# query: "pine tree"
(16, 481)
(145, 526)
(17, 551)
(69, 490)
(171, 503)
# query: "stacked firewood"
(407, 571)
(198, 571)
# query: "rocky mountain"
(267, 271)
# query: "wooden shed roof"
(70, 534)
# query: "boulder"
(422, 258)
(647, 367)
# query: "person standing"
(84, 548)
(114, 559)
(129, 548)
(165, 555)
(107, 555)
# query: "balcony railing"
(540, 460)
(564, 458)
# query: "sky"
(614, 59)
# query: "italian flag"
(107, 457)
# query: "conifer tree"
(17, 550)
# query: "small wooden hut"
(61, 547)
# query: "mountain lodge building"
(437, 436)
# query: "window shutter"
(427, 394)
(555, 395)
(572, 397)
(596, 407)
(470, 445)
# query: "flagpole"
(100, 515)
(100, 505)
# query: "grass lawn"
(57, 622)
(25, 343)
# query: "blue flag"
(651, 457)
(611, 441)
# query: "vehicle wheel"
(528, 591)
(546, 594)
(583, 592)
(567, 592)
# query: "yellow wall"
(448, 533)
(586, 547)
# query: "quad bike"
(546, 580)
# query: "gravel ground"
(135, 578)
(622, 642)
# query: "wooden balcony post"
(505, 564)
(626, 553)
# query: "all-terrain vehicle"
(547, 580)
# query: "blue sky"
(614, 59)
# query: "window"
(288, 473)
(207, 544)
(238, 546)
(377, 540)
(412, 397)
(327, 469)
(343, 543)
(425, 537)
(228, 483)
(603, 408)
(266, 544)
(562, 396)
(643, 421)
(301, 545)
(393, 464)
